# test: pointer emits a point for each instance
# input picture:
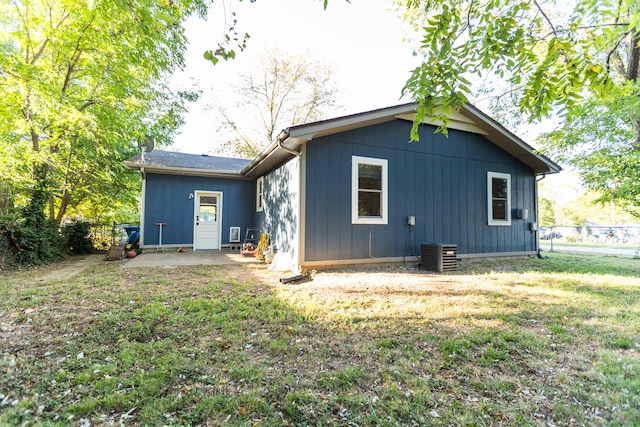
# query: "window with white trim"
(499, 198)
(369, 194)
(259, 193)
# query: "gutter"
(280, 140)
(183, 171)
(278, 143)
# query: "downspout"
(535, 191)
(281, 140)
(143, 196)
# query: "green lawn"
(562, 242)
(526, 342)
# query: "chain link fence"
(103, 235)
(603, 234)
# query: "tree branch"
(46, 41)
(614, 56)
(87, 104)
(75, 58)
(634, 56)
(553, 28)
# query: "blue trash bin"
(133, 234)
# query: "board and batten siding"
(167, 200)
(279, 217)
(440, 180)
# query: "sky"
(362, 40)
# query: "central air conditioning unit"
(438, 257)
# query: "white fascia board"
(465, 124)
(328, 127)
(520, 149)
(184, 171)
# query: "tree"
(547, 212)
(284, 90)
(577, 59)
(596, 138)
(556, 54)
(82, 82)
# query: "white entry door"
(207, 220)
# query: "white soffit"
(457, 121)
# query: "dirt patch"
(69, 267)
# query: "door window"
(208, 208)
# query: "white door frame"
(196, 205)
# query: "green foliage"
(8, 249)
(231, 38)
(37, 238)
(78, 237)
(555, 53)
(80, 88)
(29, 238)
(581, 59)
(597, 138)
(546, 211)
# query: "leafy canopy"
(579, 58)
(596, 138)
(557, 53)
(82, 82)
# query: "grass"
(526, 342)
(608, 245)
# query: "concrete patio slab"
(170, 259)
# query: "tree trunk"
(636, 128)
(634, 57)
(64, 203)
(633, 74)
(6, 198)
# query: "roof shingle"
(174, 160)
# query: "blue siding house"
(354, 190)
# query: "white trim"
(143, 203)
(174, 170)
(260, 194)
(491, 220)
(302, 201)
(231, 230)
(297, 162)
(218, 194)
(355, 218)
(409, 259)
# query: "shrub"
(28, 237)
(78, 238)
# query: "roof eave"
(521, 150)
(172, 170)
(293, 137)
(304, 133)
